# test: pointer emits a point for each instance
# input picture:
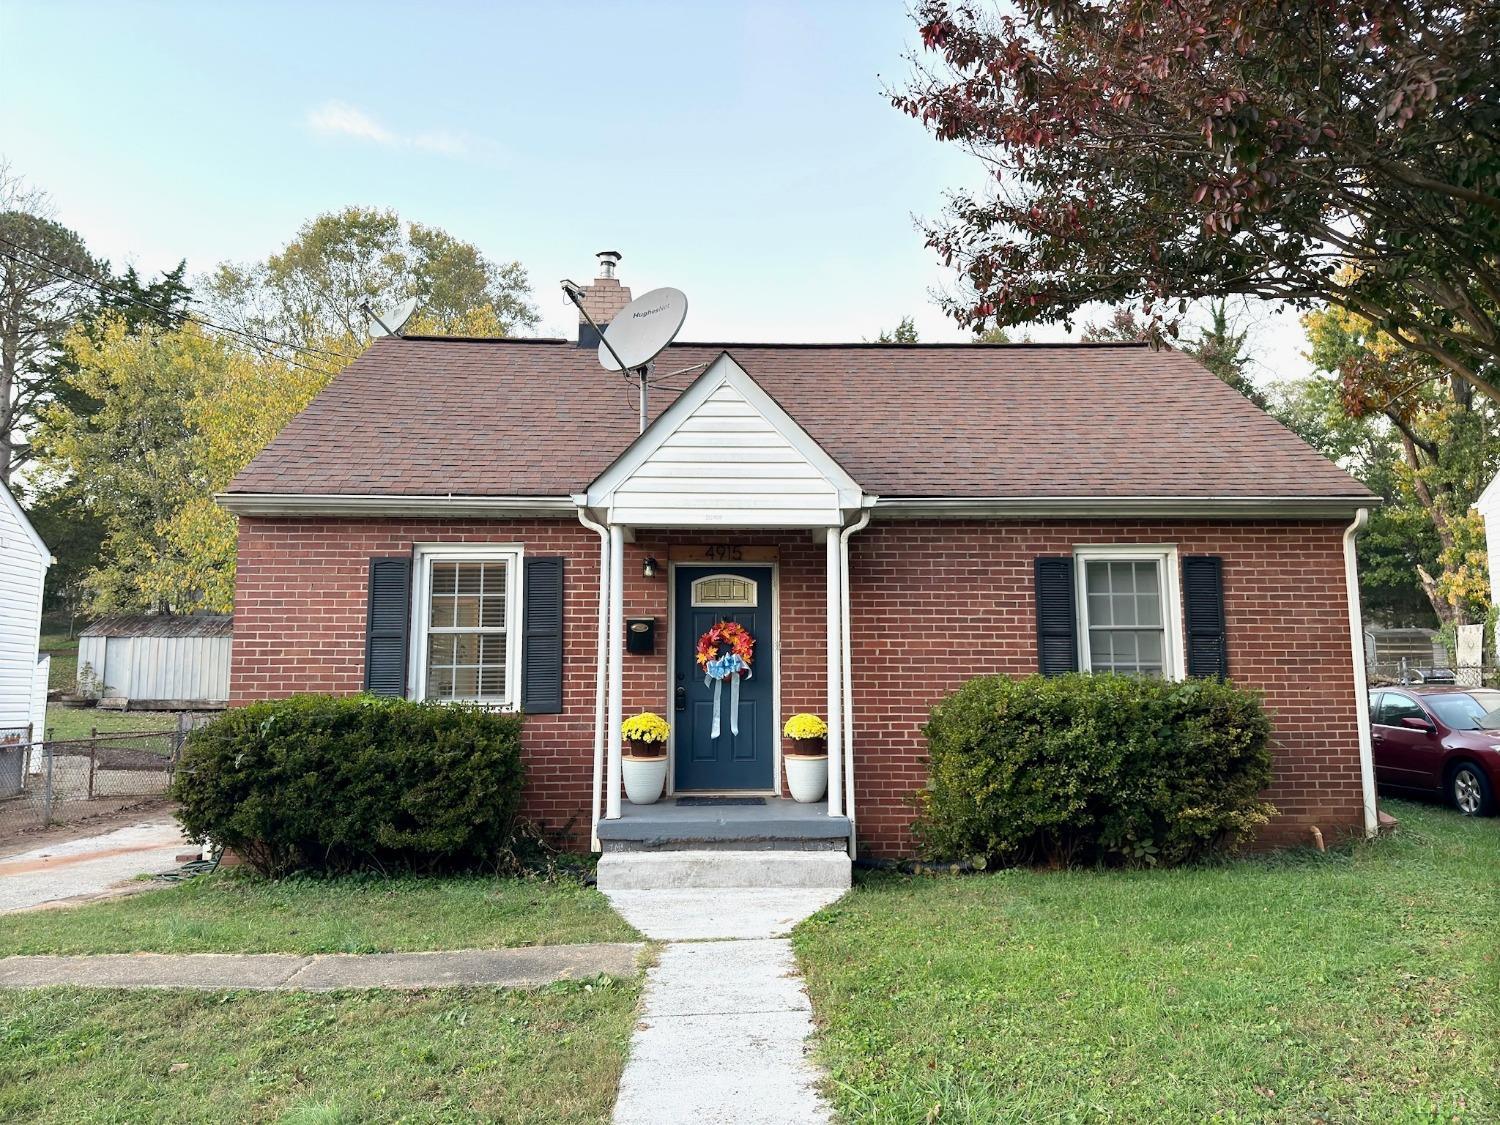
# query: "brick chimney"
(605, 297)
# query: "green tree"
(904, 333)
(1447, 444)
(1399, 542)
(42, 295)
(313, 292)
(179, 412)
(74, 530)
(1222, 350)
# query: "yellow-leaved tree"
(1444, 442)
(163, 419)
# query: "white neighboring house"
(24, 560)
(1488, 506)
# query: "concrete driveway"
(89, 864)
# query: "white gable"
(16, 532)
(725, 453)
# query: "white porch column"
(616, 666)
(835, 678)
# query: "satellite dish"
(642, 329)
(391, 323)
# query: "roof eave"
(884, 507)
(1122, 507)
(303, 504)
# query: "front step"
(763, 870)
(770, 825)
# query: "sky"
(745, 153)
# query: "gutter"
(599, 684)
(332, 504)
(1361, 682)
(1120, 507)
(886, 507)
(847, 670)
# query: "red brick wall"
(937, 603)
(933, 603)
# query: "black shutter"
(1203, 609)
(386, 622)
(542, 646)
(1056, 617)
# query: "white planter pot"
(644, 778)
(807, 777)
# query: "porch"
(665, 496)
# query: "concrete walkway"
(89, 864)
(723, 1036)
(325, 972)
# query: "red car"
(1442, 740)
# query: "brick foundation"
(933, 603)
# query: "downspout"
(848, 670)
(1361, 683)
(599, 679)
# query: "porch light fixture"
(650, 567)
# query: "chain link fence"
(57, 781)
(1410, 673)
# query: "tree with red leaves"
(1344, 152)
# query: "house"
(479, 519)
(1488, 506)
(158, 661)
(24, 560)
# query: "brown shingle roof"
(431, 416)
(160, 625)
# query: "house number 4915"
(724, 552)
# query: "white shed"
(24, 559)
(158, 661)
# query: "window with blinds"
(466, 636)
(1129, 620)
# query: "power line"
(109, 288)
(61, 272)
(106, 284)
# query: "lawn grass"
(234, 912)
(1356, 986)
(552, 1055)
(62, 673)
(68, 723)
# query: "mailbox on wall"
(640, 634)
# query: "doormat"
(721, 800)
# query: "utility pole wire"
(70, 274)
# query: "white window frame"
(424, 555)
(1165, 557)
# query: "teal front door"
(743, 759)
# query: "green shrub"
(337, 784)
(1087, 769)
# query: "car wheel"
(1469, 790)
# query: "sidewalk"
(723, 1036)
(89, 864)
(526, 967)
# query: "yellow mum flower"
(805, 726)
(645, 727)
